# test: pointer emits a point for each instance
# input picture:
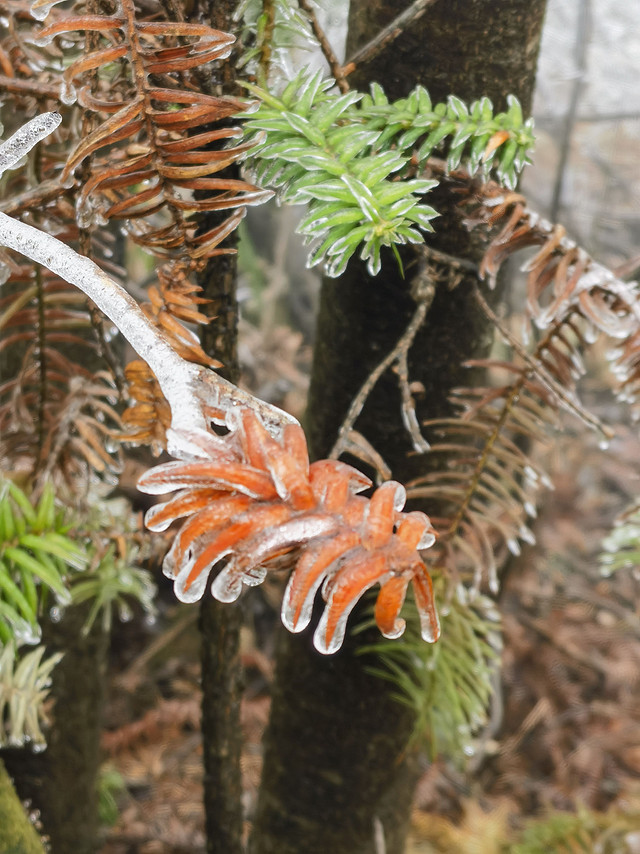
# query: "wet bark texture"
(72, 757)
(336, 771)
(222, 680)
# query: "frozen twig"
(33, 197)
(189, 389)
(334, 64)
(25, 86)
(23, 140)
(387, 35)
(423, 291)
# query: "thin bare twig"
(423, 290)
(334, 64)
(361, 448)
(33, 197)
(37, 88)
(387, 35)
(581, 50)
(447, 260)
(269, 13)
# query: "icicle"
(41, 8)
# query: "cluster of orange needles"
(251, 498)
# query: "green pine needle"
(352, 159)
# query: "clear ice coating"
(41, 8)
(24, 139)
(42, 41)
(327, 646)
(68, 94)
(397, 631)
(304, 611)
(330, 632)
(428, 630)
(426, 540)
(196, 588)
(400, 498)
(227, 585)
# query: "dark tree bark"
(222, 678)
(336, 767)
(72, 757)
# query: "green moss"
(17, 834)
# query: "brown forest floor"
(564, 729)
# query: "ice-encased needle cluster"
(250, 498)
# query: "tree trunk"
(222, 677)
(61, 781)
(337, 775)
(72, 757)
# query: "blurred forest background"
(564, 728)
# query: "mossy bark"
(17, 834)
(61, 781)
(72, 759)
(337, 773)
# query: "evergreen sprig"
(35, 557)
(315, 153)
(352, 159)
(500, 143)
(113, 584)
(447, 684)
(24, 683)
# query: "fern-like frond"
(81, 439)
(449, 684)
(36, 556)
(55, 412)
(173, 301)
(148, 416)
(483, 481)
(152, 155)
(352, 158)
(570, 297)
(153, 147)
(24, 686)
(112, 585)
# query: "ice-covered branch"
(23, 140)
(188, 388)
